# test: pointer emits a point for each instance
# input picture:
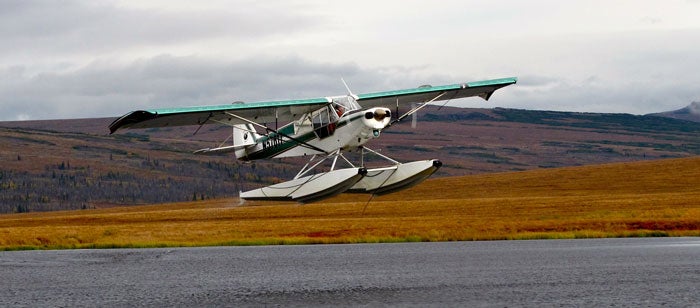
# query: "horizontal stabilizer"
(219, 150)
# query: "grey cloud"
(78, 27)
(593, 95)
(99, 90)
(103, 89)
(536, 81)
(635, 72)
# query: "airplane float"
(322, 129)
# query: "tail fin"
(243, 135)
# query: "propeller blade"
(414, 116)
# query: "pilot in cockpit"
(339, 109)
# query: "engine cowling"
(376, 119)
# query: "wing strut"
(202, 124)
(304, 170)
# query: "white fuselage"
(327, 129)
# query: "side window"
(320, 118)
(324, 125)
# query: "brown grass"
(654, 198)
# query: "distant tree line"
(67, 186)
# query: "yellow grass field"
(650, 198)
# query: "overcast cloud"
(72, 59)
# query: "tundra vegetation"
(649, 198)
(74, 164)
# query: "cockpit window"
(345, 104)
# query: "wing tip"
(494, 83)
(130, 119)
(502, 82)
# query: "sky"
(79, 59)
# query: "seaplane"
(324, 130)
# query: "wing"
(287, 111)
(261, 112)
(483, 89)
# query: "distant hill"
(73, 164)
(689, 113)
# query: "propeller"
(414, 110)
(414, 116)
(378, 114)
(413, 113)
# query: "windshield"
(345, 104)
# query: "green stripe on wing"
(497, 83)
(241, 106)
(493, 82)
(409, 91)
